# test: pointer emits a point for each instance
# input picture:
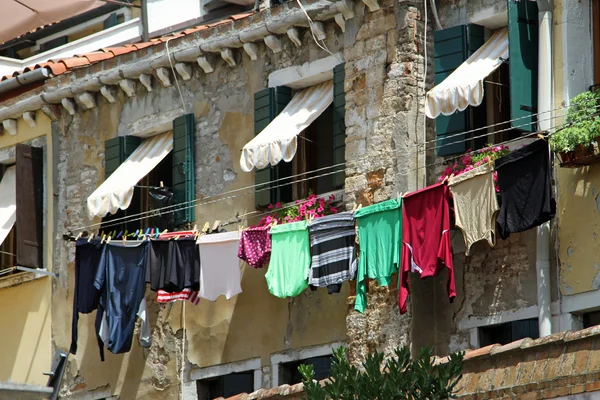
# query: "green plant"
(397, 377)
(583, 123)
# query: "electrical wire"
(192, 203)
(175, 75)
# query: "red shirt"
(426, 243)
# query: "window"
(169, 183)
(591, 319)
(320, 145)
(510, 91)
(289, 371)
(508, 332)
(225, 385)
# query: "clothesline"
(192, 203)
(401, 235)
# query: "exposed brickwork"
(384, 77)
(558, 365)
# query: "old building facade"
(213, 87)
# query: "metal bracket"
(37, 271)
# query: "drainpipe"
(542, 264)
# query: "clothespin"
(147, 232)
(176, 237)
(216, 225)
(119, 235)
(359, 207)
(124, 240)
(161, 184)
(206, 227)
(157, 233)
(79, 235)
(541, 136)
(165, 231)
(108, 240)
(136, 233)
(91, 237)
(103, 239)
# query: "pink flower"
(333, 210)
(320, 209)
(298, 201)
(332, 197)
(270, 206)
(278, 204)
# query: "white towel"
(219, 265)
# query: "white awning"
(464, 86)
(116, 191)
(8, 202)
(278, 141)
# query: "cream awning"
(8, 202)
(116, 191)
(464, 86)
(278, 141)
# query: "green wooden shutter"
(268, 103)
(339, 125)
(523, 62)
(183, 167)
(452, 47)
(116, 150)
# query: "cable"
(435, 15)
(178, 206)
(175, 75)
(322, 45)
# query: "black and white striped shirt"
(333, 259)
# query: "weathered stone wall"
(222, 103)
(384, 76)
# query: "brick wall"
(562, 364)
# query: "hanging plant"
(574, 143)
(311, 207)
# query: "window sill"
(18, 279)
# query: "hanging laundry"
(290, 259)
(332, 251)
(380, 236)
(173, 265)
(184, 295)
(219, 266)
(255, 246)
(121, 281)
(426, 242)
(85, 296)
(144, 335)
(525, 189)
(161, 198)
(475, 205)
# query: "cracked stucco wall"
(578, 193)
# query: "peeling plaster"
(596, 281)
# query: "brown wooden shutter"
(29, 206)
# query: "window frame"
(277, 359)
(215, 371)
(8, 158)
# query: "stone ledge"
(18, 279)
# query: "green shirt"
(290, 259)
(380, 238)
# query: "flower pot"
(583, 151)
(565, 156)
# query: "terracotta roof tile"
(60, 66)
(73, 62)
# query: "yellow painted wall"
(25, 344)
(578, 201)
(25, 331)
